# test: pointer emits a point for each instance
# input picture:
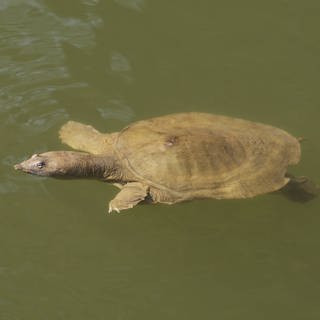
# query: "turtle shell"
(203, 153)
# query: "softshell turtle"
(177, 157)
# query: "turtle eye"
(40, 164)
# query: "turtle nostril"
(17, 166)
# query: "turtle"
(178, 157)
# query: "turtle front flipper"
(300, 189)
(84, 137)
(130, 195)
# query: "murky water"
(108, 63)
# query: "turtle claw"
(112, 208)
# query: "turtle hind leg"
(300, 189)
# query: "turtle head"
(50, 164)
(68, 164)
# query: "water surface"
(108, 63)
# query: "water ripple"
(136, 5)
(116, 109)
(32, 58)
(120, 66)
(34, 75)
(42, 122)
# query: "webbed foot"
(130, 195)
(300, 189)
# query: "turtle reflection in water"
(179, 157)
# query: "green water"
(108, 63)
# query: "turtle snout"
(23, 166)
(18, 166)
